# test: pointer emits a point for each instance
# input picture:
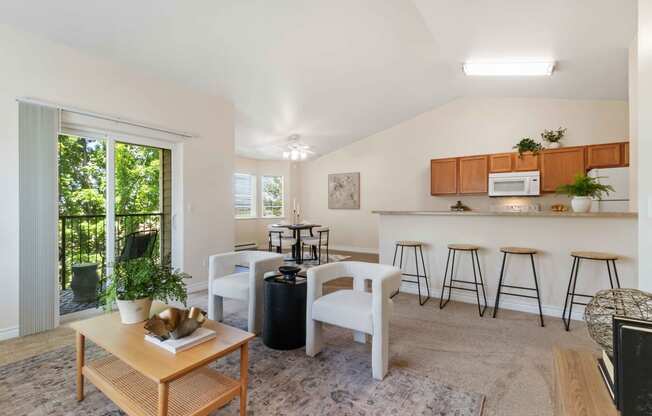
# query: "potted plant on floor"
(553, 137)
(583, 189)
(526, 144)
(135, 283)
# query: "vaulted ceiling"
(335, 71)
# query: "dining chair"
(280, 237)
(320, 238)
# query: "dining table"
(297, 255)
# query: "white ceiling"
(335, 71)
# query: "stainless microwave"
(515, 184)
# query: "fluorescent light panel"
(509, 69)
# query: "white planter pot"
(555, 145)
(581, 204)
(134, 311)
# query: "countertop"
(569, 214)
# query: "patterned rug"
(336, 382)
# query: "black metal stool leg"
(425, 275)
(450, 279)
(613, 262)
(570, 282)
(443, 287)
(536, 286)
(484, 294)
(572, 299)
(500, 283)
(416, 264)
(477, 292)
(611, 280)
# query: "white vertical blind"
(244, 195)
(38, 240)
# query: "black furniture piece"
(518, 251)
(315, 243)
(578, 256)
(84, 282)
(284, 321)
(138, 244)
(417, 246)
(473, 249)
(296, 229)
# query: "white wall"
(395, 164)
(255, 229)
(32, 67)
(644, 109)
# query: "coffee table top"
(127, 342)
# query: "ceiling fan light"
(294, 154)
(286, 155)
(304, 155)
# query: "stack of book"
(177, 345)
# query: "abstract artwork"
(344, 190)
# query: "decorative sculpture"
(175, 323)
(632, 303)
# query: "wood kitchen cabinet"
(625, 155)
(443, 176)
(501, 162)
(526, 162)
(559, 167)
(474, 174)
(604, 155)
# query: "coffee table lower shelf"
(195, 394)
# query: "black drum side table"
(284, 322)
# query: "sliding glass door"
(115, 204)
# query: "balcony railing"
(82, 238)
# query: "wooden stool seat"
(409, 243)
(594, 255)
(518, 250)
(463, 247)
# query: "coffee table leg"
(80, 366)
(163, 393)
(244, 371)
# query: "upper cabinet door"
(443, 176)
(559, 167)
(604, 155)
(501, 162)
(526, 162)
(474, 174)
(625, 154)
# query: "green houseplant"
(553, 137)
(526, 144)
(134, 284)
(583, 189)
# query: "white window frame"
(254, 204)
(262, 196)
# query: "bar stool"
(578, 256)
(416, 245)
(518, 251)
(473, 249)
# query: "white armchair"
(224, 282)
(357, 309)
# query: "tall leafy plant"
(585, 186)
(144, 277)
(526, 144)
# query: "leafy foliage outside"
(272, 187)
(82, 190)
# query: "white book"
(177, 345)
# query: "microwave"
(514, 184)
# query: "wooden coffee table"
(145, 380)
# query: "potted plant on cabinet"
(526, 144)
(135, 283)
(583, 189)
(553, 137)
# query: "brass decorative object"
(175, 323)
(632, 303)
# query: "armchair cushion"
(347, 309)
(234, 286)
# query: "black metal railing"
(82, 238)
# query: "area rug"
(336, 382)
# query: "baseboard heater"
(246, 246)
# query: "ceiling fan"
(296, 150)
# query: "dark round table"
(284, 322)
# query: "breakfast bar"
(553, 234)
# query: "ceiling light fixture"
(296, 150)
(509, 69)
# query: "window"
(244, 195)
(272, 187)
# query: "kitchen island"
(553, 234)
